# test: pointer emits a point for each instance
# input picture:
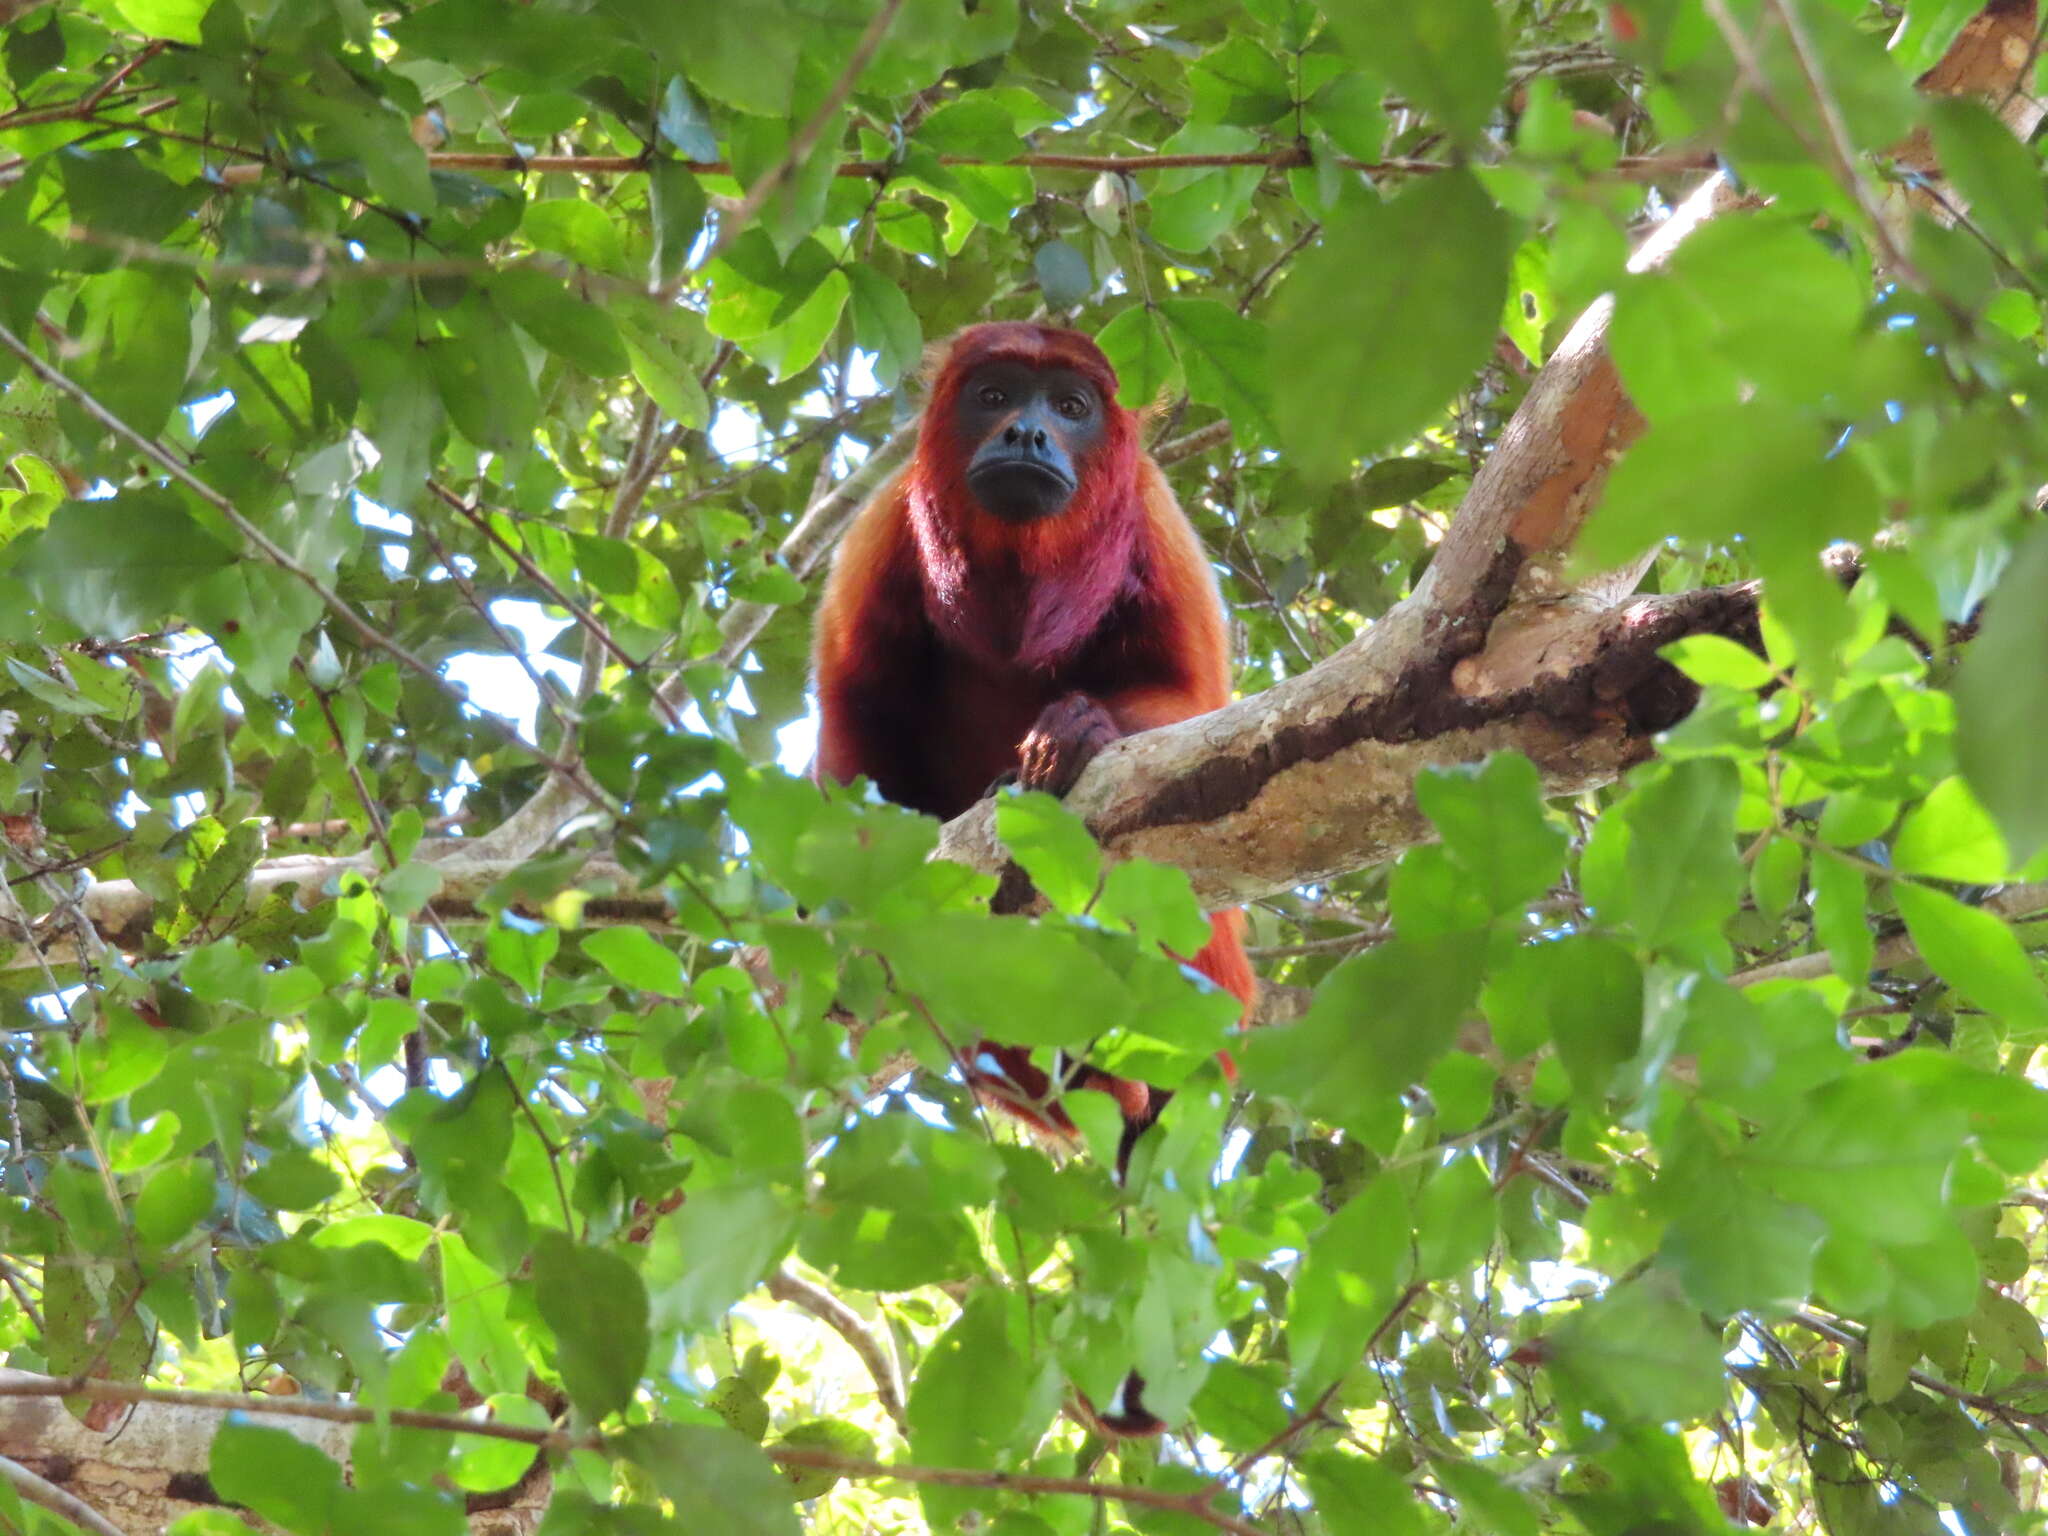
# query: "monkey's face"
(1028, 433)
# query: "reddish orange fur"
(944, 627)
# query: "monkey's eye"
(992, 397)
(1073, 407)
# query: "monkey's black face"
(1029, 432)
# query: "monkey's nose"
(1016, 433)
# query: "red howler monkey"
(1027, 592)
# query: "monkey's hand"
(1064, 740)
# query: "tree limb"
(874, 1352)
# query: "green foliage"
(1614, 1159)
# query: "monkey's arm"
(872, 656)
(1170, 660)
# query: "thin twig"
(1315, 1410)
(852, 1327)
(99, 93)
(45, 1494)
(2014, 903)
(8, 1272)
(731, 225)
(1287, 158)
(1835, 151)
(585, 619)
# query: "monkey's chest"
(977, 717)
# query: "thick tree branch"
(1313, 778)
(1493, 651)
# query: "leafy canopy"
(406, 408)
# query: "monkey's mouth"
(1020, 490)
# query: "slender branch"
(1194, 1504)
(47, 1495)
(1201, 440)
(850, 1326)
(1315, 1410)
(806, 545)
(2014, 901)
(731, 225)
(1287, 158)
(23, 1384)
(587, 621)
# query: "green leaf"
(579, 230)
(1785, 494)
(677, 202)
(1224, 354)
(1454, 1220)
(1684, 871)
(1949, 836)
(1054, 846)
(1841, 917)
(2001, 694)
(1240, 82)
(716, 1248)
(579, 333)
(1748, 308)
(294, 1180)
(1354, 1495)
(1157, 901)
(1394, 482)
(1349, 1277)
(483, 381)
(975, 125)
(1871, 1153)
(1492, 824)
(1063, 274)
(487, 1465)
(1432, 323)
(835, 1436)
(1640, 1353)
(1486, 1502)
(635, 958)
(1589, 990)
(276, 1474)
(1056, 991)
(1447, 57)
(1378, 1022)
(699, 1468)
(1998, 176)
(119, 566)
(971, 1402)
(884, 323)
(1774, 877)
(1189, 210)
(683, 122)
(172, 1202)
(1714, 662)
(1136, 347)
(1977, 954)
(177, 21)
(594, 1302)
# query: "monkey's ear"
(933, 361)
(1154, 413)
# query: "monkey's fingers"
(1067, 735)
